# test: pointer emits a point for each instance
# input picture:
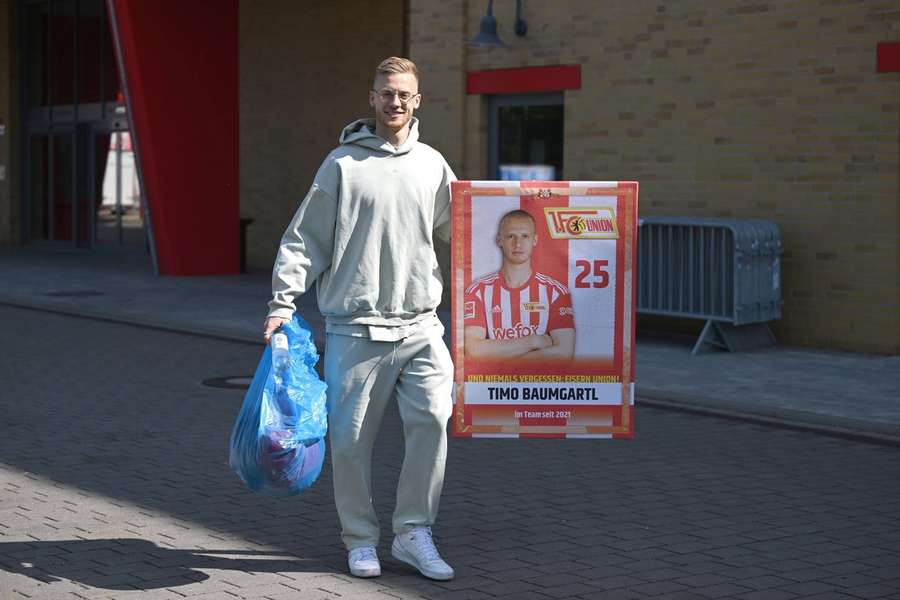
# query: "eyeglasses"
(388, 95)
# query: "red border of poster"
(605, 374)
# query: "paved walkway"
(841, 392)
(114, 486)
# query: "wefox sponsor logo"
(511, 333)
(582, 222)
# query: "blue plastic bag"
(277, 444)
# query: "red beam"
(524, 80)
(181, 71)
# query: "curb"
(173, 326)
(785, 418)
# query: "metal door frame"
(77, 119)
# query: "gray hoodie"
(366, 231)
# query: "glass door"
(90, 197)
(526, 137)
(117, 194)
(51, 174)
(62, 167)
(40, 213)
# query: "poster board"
(543, 329)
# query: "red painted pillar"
(180, 64)
(888, 57)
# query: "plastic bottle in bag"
(281, 357)
(281, 364)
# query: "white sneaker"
(417, 549)
(364, 562)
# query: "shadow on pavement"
(49, 562)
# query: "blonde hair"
(515, 214)
(396, 64)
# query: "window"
(526, 136)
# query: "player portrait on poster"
(543, 308)
(516, 312)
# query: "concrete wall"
(306, 68)
(738, 109)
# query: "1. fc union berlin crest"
(587, 223)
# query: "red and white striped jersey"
(539, 306)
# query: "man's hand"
(273, 323)
(562, 345)
(540, 342)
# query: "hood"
(362, 133)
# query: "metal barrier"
(726, 271)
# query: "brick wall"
(737, 109)
(306, 68)
(435, 29)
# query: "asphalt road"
(114, 483)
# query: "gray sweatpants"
(362, 376)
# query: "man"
(364, 233)
(516, 312)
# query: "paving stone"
(468, 594)
(850, 580)
(767, 595)
(740, 573)
(790, 565)
(701, 580)
(518, 595)
(616, 594)
(804, 575)
(509, 575)
(221, 595)
(720, 590)
(616, 581)
(808, 588)
(510, 587)
(150, 595)
(763, 582)
(874, 590)
(49, 595)
(886, 572)
(831, 596)
(659, 588)
(460, 583)
(145, 494)
(568, 590)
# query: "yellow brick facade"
(757, 109)
(744, 109)
(305, 71)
